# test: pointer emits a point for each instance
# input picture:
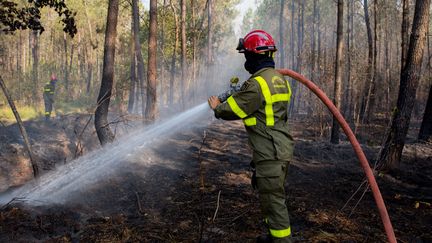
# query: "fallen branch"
(78, 145)
(140, 210)
(352, 196)
(200, 161)
(358, 202)
(23, 131)
(217, 207)
(238, 216)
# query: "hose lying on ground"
(356, 146)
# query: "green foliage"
(13, 18)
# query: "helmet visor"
(240, 46)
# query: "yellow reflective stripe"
(250, 121)
(289, 90)
(235, 108)
(281, 233)
(47, 89)
(280, 97)
(268, 99)
(47, 112)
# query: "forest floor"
(207, 196)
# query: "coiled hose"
(356, 146)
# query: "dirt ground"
(206, 196)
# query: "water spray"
(67, 181)
(356, 146)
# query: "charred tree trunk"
(23, 131)
(151, 108)
(425, 133)
(391, 152)
(103, 130)
(338, 71)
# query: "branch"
(217, 207)
(23, 131)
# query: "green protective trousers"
(270, 178)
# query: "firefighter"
(262, 104)
(48, 95)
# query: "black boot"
(264, 239)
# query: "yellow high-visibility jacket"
(262, 103)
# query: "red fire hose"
(356, 146)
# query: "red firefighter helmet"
(257, 41)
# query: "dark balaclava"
(255, 61)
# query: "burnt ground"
(206, 169)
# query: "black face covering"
(255, 62)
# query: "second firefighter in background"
(48, 96)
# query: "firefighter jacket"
(49, 89)
(262, 103)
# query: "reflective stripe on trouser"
(48, 106)
(271, 189)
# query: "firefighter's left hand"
(213, 102)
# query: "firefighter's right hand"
(213, 102)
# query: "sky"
(242, 7)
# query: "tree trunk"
(35, 73)
(338, 71)
(281, 34)
(209, 33)
(425, 133)
(103, 130)
(313, 40)
(174, 56)
(65, 65)
(371, 92)
(183, 51)
(369, 75)
(391, 152)
(194, 45)
(23, 131)
(292, 36)
(348, 90)
(151, 109)
(133, 80)
(404, 32)
(138, 55)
